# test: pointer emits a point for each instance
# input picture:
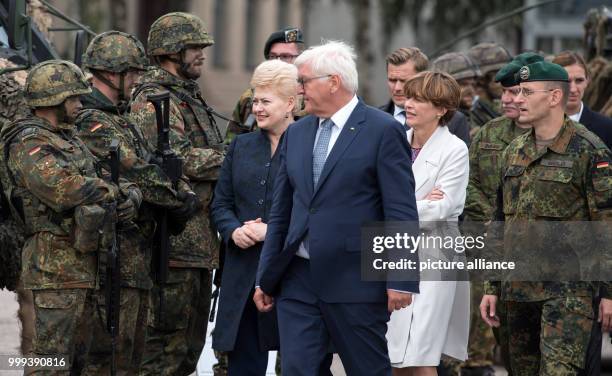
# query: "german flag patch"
(34, 151)
(95, 127)
(602, 164)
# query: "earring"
(287, 115)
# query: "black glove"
(190, 206)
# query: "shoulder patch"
(34, 151)
(95, 127)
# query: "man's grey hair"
(332, 57)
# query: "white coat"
(437, 321)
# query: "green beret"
(287, 35)
(507, 74)
(542, 71)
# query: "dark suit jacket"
(243, 192)
(597, 123)
(367, 177)
(458, 125)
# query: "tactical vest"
(200, 125)
(30, 212)
(120, 122)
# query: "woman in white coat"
(437, 321)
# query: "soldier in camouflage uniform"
(176, 42)
(286, 45)
(558, 170)
(598, 47)
(115, 60)
(52, 183)
(464, 71)
(13, 107)
(485, 156)
(490, 58)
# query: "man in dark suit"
(344, 165)
(597, 123)
(403, 64)
(579, 78)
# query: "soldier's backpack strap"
(190, 101)
(591, 137)
(24, 129)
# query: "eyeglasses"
(528, 92)
(303, 81)
(284, 57)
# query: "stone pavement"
(9, 343)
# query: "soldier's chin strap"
(122, 101)
(62, 114)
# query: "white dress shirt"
(399, 114)
(339, 118)
(576, 117)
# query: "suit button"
(268, 164)
(313, 210)
(261, 201)
(262, 182)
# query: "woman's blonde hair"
(438, 88)
(277, 75)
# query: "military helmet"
(489, 57)
(175, 31)
(115, 51)
(51, 82)
(457, 64)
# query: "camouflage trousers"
(62, 328)
(129, 340)
(550, 337)
(175, 339)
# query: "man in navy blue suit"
(341, 167)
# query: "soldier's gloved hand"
(127, 208)
(190, 206)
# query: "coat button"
(313, 210)
(268, 164)
(261, 201)
(263, 182)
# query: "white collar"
(342, 115)
(576, 117)
(397, 110)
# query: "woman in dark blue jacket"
(240, 209)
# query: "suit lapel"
(311, 133)
(348, 133)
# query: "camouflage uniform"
(485, 161)
(173, 346)
(99, 123)
(550, 322)
(490, 57)
(239, 116)
(47, 174)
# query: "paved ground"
(9, 343)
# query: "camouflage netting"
(12, 106)
(12, 103)
(40, 17)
